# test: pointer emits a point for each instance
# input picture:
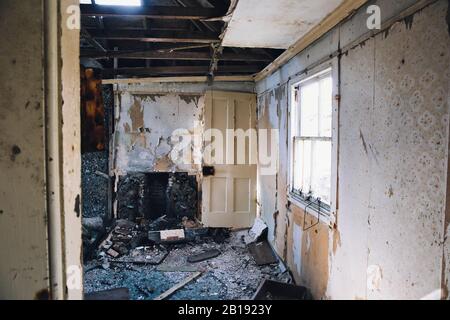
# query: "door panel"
(229, 196)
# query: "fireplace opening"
(153, 195)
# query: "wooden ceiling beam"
(88, 37)
(159, 36)
(175, 79)
(180, 70)
(175, 55)
(155, 12)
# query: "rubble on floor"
(273, 290)
(127, 258)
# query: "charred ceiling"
(166, 38)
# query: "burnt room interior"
(225, 150)
(142, 213)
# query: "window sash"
(311, 172)
(321, 108)
(322, 104)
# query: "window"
(311, 140)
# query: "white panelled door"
(229, 194)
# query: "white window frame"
(327, 214)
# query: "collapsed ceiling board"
(275, 24)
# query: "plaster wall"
(389, 239)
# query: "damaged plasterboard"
(151, 125)
(258, 229)
(275, 24)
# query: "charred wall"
(95, 163)
(93, 125)
(153, 195)
(97, 108)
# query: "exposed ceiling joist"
(179, 70)
(155, 41)
(194, 22)
(176, 55)
(217, 48)
(88, 37)
(160, 36)
(176, 79)
(155, 12)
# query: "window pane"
(321, 170)
(326, 107)
(302, 165)
(312, 147)
(309, 110)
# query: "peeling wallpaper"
(145, 127)
(409, 164)
(393, 163)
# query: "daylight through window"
(312, 136)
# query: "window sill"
(325, 215)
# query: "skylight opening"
(129, 3)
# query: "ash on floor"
(233, 275)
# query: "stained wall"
(23, 216)
(33, 234)
(389, 239)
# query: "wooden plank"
(342, 12)
(194, 79)
(155, 12)
(175, 55)
(178, 286)
(158, 36)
